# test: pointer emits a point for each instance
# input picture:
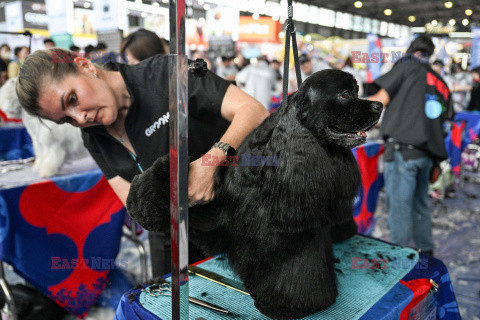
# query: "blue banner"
(475, 61)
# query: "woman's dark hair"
(143, 44)
(422, 43)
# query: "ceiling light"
(412, 18)
(155, 4)
(451, 22)
(138, 1)
(387, 12)
(465, 22)
(206, 7)
(468, 12)
(255, 16)
(201, 2)
(434, 23)
(87, 5)
(358, 4)
(144, 14)
(275, 18)
(308, 38)
(281, 35)
(448, 4)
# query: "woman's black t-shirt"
(146, 123)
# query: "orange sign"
(262, 30)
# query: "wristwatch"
(228, 149)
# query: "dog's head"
(328, 105)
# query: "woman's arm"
(121, 188)
(245, 114)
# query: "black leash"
(290, 30)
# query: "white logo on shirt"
(161, 121)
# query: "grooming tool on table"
(18, 161)
(164, 290)
(221, 280)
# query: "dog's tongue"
(362, 133)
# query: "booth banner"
(374, 69)
(369, 159)
(264, 29)
(60, 16)
(475, 60)
(107, 17)
(63, 236)
(14, 16)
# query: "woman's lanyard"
(136, 161)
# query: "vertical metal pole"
(178, 124)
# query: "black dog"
(277, 222)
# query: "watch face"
(231, 152)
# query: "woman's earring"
(95, 75)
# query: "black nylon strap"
(290, 30)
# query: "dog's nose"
(377, 106)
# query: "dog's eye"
(346, 95)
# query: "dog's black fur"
(277, 223)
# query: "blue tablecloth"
(62, 235)
(411, 296)
(15, 143)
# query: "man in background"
(258, 80)
(48, 43)
(417, 100)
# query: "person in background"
(5, 53)
(48, 43)
(416, 102)
(3, 72)
(474, 104)
(74, 48)
(438, 66)
(140, 45)
(21, 54)
(101, 47)
(276, 66)
(88, 51)
(348, 67)
(460, 84)
(259, 81)
(306, 70)
(240, 62)
(226, 69)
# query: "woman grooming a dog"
(124, 114)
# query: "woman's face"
(80, 99)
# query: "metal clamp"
(198, 67)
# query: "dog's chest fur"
(313, 184)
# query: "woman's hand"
(200, 179)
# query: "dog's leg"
(51, 163)
(298, 283)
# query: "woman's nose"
(80, 117)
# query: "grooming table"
(400, 290)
